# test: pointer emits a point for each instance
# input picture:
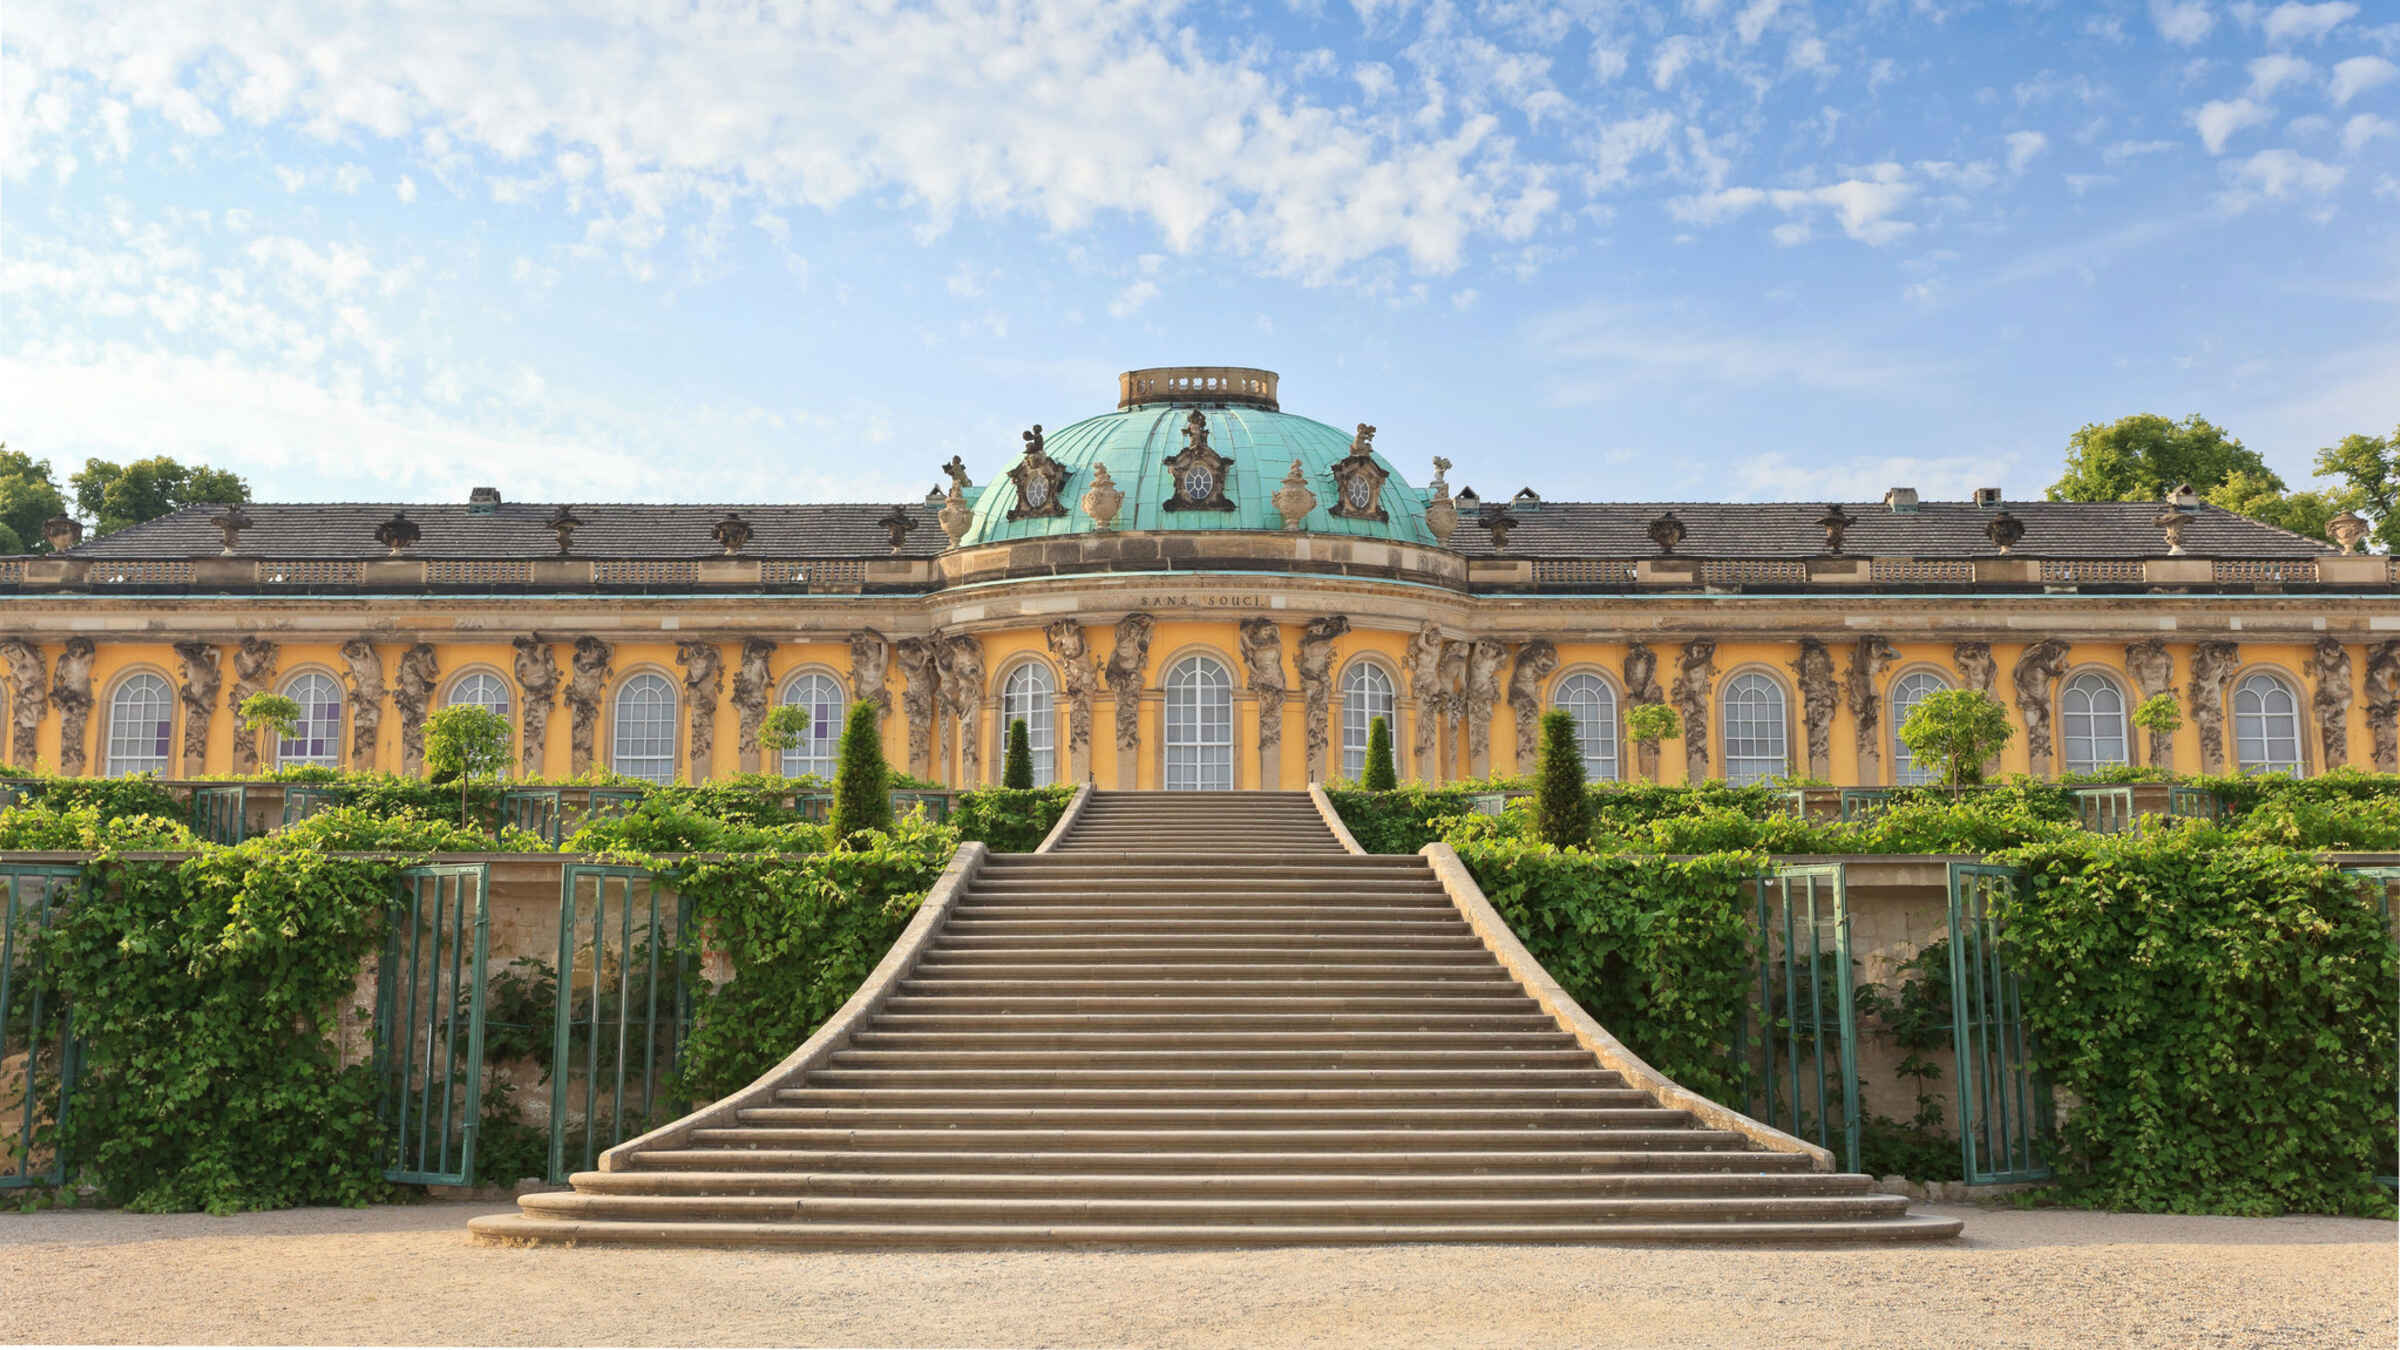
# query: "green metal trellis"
(2004, 1114)
(2105, 809)
(37, 1037)
(219, 812)
(2192, 803)
(429, 999)
(611, 802)
(1798, 1041)
(625, 979)
(541, 811)
(936, 804)
(300, 801)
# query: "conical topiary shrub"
(862, 784)
(1560, 812)
(1019, 770)
(1381, 776)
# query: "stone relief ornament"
(1485, 659)
(1870, 657)
(1976, 668)
(254, 664)
(1441, 513)
(1041, 481)
(537, 681)
(1813, 669)
(1262, 666)
(28, 697)
(2213, 665)
(1641, 688)
(412, 694)
(1695, 676)
(362, 675)
(962, 689)
(2153, 672)
(1102, 499)
(752, 692)
(1200, 473)
(1293, 500)
(71, 690)
(1124, 674)
(920, 667)
(870, 661)
(1425, 688)
(586, 686)
(2329, 666)
(1535, 661)
(1315, 659)
(1358, 480)
(2383, 704)
(1079, 680)
(2034, 676)
(199, 698)
(703, 683)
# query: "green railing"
(539, 811)
(429, 1001)
(300, 801)
(2379, 882)
(16, 790)
(2105, 810)
(1865, 803)
(2191, 803)
(37, 1037)
(625, 981)
(1793, 801)
(1798, 1041)
(936, 804)
(611, 802)
(219, 812)
(2004, 1114)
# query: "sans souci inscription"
(1203, 600)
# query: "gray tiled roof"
(343, 530)
(1932, 530)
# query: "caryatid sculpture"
(2034, 676)
(1535, 661)
(2153, 672)
(1126, 662)
(920, 665)
(1261, 643)
(1315, 660)
(870, 660)
(703, 684)
(254, 663)
(1641, 690)
(1976, 668)
(2213, 665)
(1813, 670)
(1862, 684)
(1695, 676)
(412, 694)
(362, 675)
(1485, 660)
(537, 681)
(2329, 666)
(71, 690)
(962, 689)
(1079, 680)
(2383, 704)
(198, 694)
(28, 698)
(1425, 688)
(752, 692)
(586, 686)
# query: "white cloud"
(2219, 119)
(1623, 143)
(1713, 208)
(2282, 173)
(1672, 56)
(2360, 74)
(2119, 151)
(2182, 22)
(1752, 22)
(1130, 300)
(1464, 299)
(2365, 127)
(2272, 72)
(1791, 233)
(1808, 54)
(2290, 21)
(405, 189)
(1601, 352)
(2023, 147)
(1863, 203)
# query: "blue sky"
(1715, 249)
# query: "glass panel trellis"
(37, 1040)
(541, 811)
(218, 812)
(2004, 1115)
(2105, 810)
(625, 981)
(429, 1000)
(1865, 803)
(301, 801)
(1798, 1039)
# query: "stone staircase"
(1199, 1020)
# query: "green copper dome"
(1136, 442)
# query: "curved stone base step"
(516, 1228)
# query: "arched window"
(317, 736)
(1757, 746)
(481, 688)
(820, 745)
(643, 737)
(1199, 726)
(1588, 699)
(1367, 694)
(141, 723)
(2266, 725)
(1907, 692)
(1027, 694)
(2091, 715)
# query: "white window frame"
(1588, 698)
(1759, 746)
(1908, 691)
(317, 693)
(1027, 691)
(820, 747)
(2091, 737)
(2268, 734)
(1368, 692)
(151, 748)
(1197, 748)
(641, 728)
(485, 689)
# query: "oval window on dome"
(1359, 493)
(1198, 484)
(1037, 490)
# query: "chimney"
(2183, 498)
(1900, 498)
(1987, 496)
(483, 501)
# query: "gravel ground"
(407, 1275)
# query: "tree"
(113, 496)
(2159, 714)
(1382, 776)
(1561, 814)
(465, 739)
(1957, 729)
(2369, 468)
(2264, 500)
(862, 782)
(263, 712)
(2138, 458)
(29, 497)
(1019, 771)
(780, 733)
(1650, 723)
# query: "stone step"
(1158, 863)
(936, 984)
(1209, 1020)
(1093, 889)
(1127, 909)
(993, 968)
(1262, 1163)
(1279, 960)
(882, 1114)
(1308, 945)
(1033, 1138)
(1186, 1096)
(1170, 1211)
(916, 1002)
(1219, 1187)
(513, 1228)
(1044, 1055)
(1377, 1078)
(1325, 924)
(1209, 1040)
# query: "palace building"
(1197, 589)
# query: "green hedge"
(1011, 820)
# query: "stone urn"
(1102, 499)
(2348, 529)
(1294, 499)
(956, 516)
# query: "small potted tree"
(780, 733)
(1561, 813)
(1959, 730)
(2162, 717)
(1648, 724)
(467, 741)
(1018, 771)
(262, 713)
(862, 783)
(1381, 774)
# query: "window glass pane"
(643, 745)
(141, 720)
(1367, 694)
(819, 746)
(2266, 725)
(482, 689)
(1026, 694)
(1593, 704)
(1907, 692)
(2091, 718)
(1755, 742)
(1199, 726)
(317, 738)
